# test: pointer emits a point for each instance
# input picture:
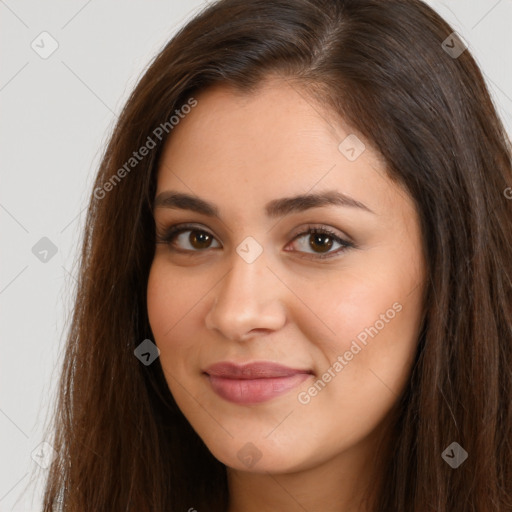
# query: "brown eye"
(197, 239)
(321, 241)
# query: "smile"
(255, 382)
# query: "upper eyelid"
(178, 228)
(166, 225)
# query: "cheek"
(350, 311)
(161, 302)
(171, 296)
(372, 365)
(167, 311)
(374, 321)
(177, 303)
(170, 302)
(366, 365)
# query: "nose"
(248, 301)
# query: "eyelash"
(168, 236)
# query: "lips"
(257, 370)
(254, 382)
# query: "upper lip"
(256, 370)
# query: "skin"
(239, 152)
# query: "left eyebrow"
(275, 208)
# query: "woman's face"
(247, 283)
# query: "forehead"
(269, 126)
(274, 142)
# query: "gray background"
(56, 115)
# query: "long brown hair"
(384, 67)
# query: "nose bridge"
(248, 296)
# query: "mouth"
(254, 382)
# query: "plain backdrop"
(57, 112)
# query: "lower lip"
(254, 391)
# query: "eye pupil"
(317, 239)
(197, 238)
